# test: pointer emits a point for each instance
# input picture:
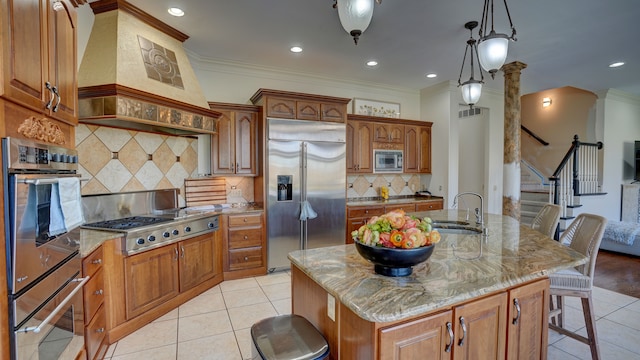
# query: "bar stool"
(288, 337)
(546, 220)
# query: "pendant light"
(492, 46)
(355, 15)
(472, 88)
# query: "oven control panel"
(30, 155)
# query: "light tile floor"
(216, 324)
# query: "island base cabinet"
(528, 323)
(414, 339)
(480, 328)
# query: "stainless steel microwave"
(387, 161)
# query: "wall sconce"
(546, 102)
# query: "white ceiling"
(563, 42)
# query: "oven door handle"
(39, 181)
(60, 307)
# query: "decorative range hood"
(135, 74)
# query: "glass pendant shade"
(355, 16)
(492, 52)
(471, 91)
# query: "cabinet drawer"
(365, 211)
(406, 207)
(95, 333)
(245, 220)
(93, 262)
(431, 205)
(245, 238)
(245, 258)
(93, 295)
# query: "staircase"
(574, 183)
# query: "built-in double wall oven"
(43, 261)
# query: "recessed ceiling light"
(372, 63)
(616, 64)
(175, 11)
(296, 49)
(431, 75)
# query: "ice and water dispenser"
(285, 187)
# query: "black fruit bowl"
(394, 262)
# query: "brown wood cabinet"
(436, 204)
(244, 243)
(292, 105)
(94, 309)
(152, 277)
(359, 147)
(417, 149)
(528, 321)
(388, 133)
(366, 133)
(234, 146)
(39, 53)
(477, 328)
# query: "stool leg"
(590, 322)
(560, 306)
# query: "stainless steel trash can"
(287, 337)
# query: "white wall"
(440, 104)
(618, 126)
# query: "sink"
(456, 229)
(447, 222)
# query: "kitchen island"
(475, 295)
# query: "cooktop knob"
(166, 234)
(175, 232)
(187, 229)
(151, 238)
(140, 241)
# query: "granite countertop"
(511, 255)
(401, 200)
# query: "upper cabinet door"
(25, 57)
(39, 47)
(246, 142)
(63, 66)
(223, 144)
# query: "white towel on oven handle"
(71, 202)
(56, 218)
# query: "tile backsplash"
(117, 160)
(369, 185)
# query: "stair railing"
(576, 175)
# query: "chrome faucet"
(479, 212)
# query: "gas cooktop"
(127, 223)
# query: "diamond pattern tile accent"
(114, 176)
(132, 156)
(149, 142)
(189, 160)
(164, 158)
(82, 132)
(93, 155)
(177, 144)
(360, 185)
(113, 139)
(397, 184)
(149, 175)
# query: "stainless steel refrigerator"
(306, 194)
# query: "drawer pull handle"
(245, 219)
(100, 331)
(246, 258)
(99, 292)
(96, 261)
(246, 237)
